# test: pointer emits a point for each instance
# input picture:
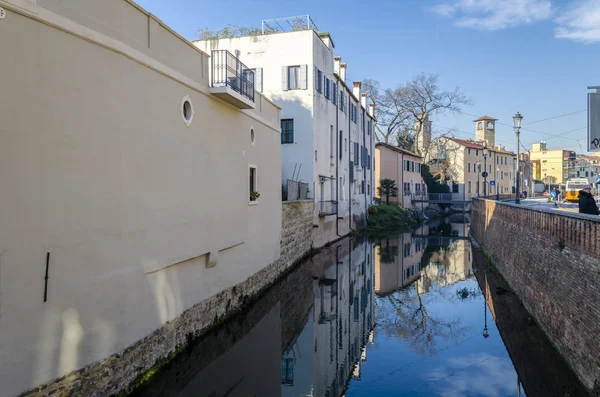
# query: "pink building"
(402, 166)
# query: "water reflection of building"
(330, 348)
(398, 260)
(448, 259)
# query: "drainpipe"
(364, 160)
(350, 165)
(337, 166)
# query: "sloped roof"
(485, 118)
(396, 149)
(475, 145)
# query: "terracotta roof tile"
(485, 118)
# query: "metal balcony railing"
(228, 70)
(328, 207)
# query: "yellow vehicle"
(573, 187)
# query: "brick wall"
(552, 261)
(120, 370)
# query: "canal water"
(414, 314)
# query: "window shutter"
(258, 79)
(341, 143)
(284, 78)
(334, 92)
(351, 172)
(304, 77)
(316, 78)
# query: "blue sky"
(533, 56)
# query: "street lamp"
(497, 187)
(478, 172)
(484, 174)
(517, 121)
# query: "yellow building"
(550, 166)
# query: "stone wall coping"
(297, 201)
(585, 217)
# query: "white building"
(127, 182)
(327, 132)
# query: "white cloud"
(495, 14)
(580, 22)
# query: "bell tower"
(423, 132)
(485, 130)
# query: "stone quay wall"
(551, 259)
(122, 371)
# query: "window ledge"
(252, 202)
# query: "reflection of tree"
(411, 320)
(388, 252)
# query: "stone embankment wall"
(128, 367)
(552, 261)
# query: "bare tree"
(421, 97)
(392, 121)
(399, 110)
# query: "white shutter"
(304, 77)
(284, 78)
(258, 80)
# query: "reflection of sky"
(463, 363)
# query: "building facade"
(128, 181)
(464, 162)
(404, 168)
(552, 166)
(327, 127)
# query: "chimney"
(336, 64)
(343, 72)
(356, 89)
(363, 100)
(372, 109)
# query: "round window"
(252, 136)
(187, 110)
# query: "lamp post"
(484, 174)
(517, 121)
(486, 334)
(478, 172)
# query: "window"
(363, 121)
(252, 137)
(406, 250)
(469, 187)
(454, 187)
(469, 151)
(342, 101)
(294, 77)
(341, 143)
(356, 153)
(319, 81)
(315, 155)
(480, 125)
(334, 93)
(469, 167)
(187, 110)
(412, 166)
(252, 183)
(476, 152)
(287, 131)
(326, 87)
(287, 371)
(406, 187)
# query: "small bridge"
(438, 198)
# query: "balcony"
(232, 81)
(327, 208)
